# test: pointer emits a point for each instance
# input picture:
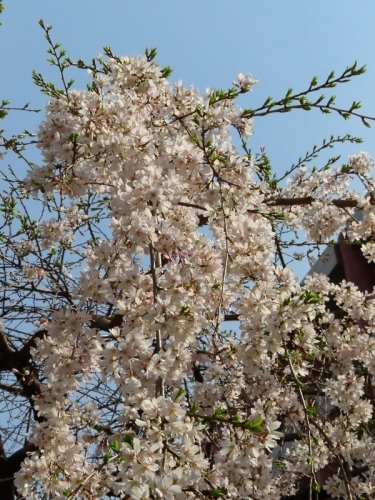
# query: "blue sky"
(282, 42)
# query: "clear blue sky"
(281, 42)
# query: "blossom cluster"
(182, 235)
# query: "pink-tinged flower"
(140, 492)
(270, 440)
(167, 487)
(245, 82)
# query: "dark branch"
(105, 323)
(308, 200)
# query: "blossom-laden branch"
(124, 253)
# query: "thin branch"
(308, 200)
(309, 431)
(22, 109)
(156, 263)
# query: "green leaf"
(280, 465)
(219, 412)
(166, 72)
(115, 446)
(73, 136)
(129, 440)
(317, 487)
(314, 81)
(179, 393)
(267, 102)
(366, 123)
(248, 112)
(310, 297)
(355, 105)
(253, 425)
(217, 493)
(311, 411)
(185, 310)
(316, 440)
(194, 407)
(196, 139)
(150, 54)
(320, 99)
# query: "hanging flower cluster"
(173, 231)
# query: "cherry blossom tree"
(146, 225)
